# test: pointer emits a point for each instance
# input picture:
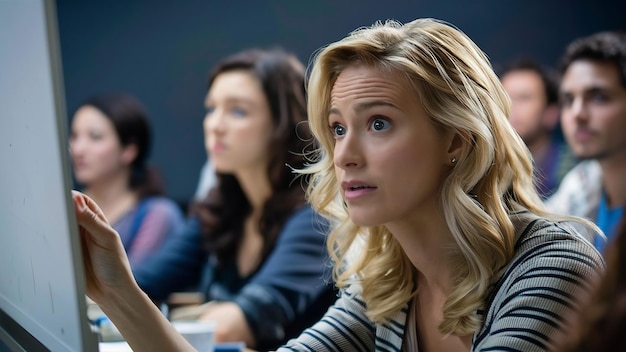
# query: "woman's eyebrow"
(366, 105)
(233, 100)
(363, 106)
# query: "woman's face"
(238, 124)
(95, 148)
(389, 158)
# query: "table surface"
(123, 347)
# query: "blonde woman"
(419, 166)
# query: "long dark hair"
(130, 119)
(223, 212)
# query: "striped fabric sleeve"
(543, 285)
(343, 328)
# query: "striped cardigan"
(552, 266)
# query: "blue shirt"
(607, 220)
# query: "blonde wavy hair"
(455, 83)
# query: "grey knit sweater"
(551, 269)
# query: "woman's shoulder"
(533, 230)
(160, 203)
(304, 222)
(305, 215)
(552, 267)
(546, 243)
(162, 213)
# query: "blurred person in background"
(110, 143)
(253, 248)
(593, 115)
(535, 116)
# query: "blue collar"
(607, 220)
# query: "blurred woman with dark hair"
(253, 247)
(110, 144)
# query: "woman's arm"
(177, 266)
(290, 291)
(109, 283)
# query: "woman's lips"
(218, 148)
(356, 189)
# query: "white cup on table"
(201, 335)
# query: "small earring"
(453, 160)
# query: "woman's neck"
(426, 244)
(256, 186)
(114, 197)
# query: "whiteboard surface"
(41, 288)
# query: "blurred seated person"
(110, 144)
(593, 116)
(535, 116)
(253, 247)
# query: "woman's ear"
(456, 147)
(129, 153)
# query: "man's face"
(529, 103)
(594, 110)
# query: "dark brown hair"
(548, 76)
(130, 119)
(223, 212)
(604, 47)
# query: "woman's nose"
(76, 145)
(214, 121)
(348, 151)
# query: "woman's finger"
(87, 202)
(90, 217)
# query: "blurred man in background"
(535, 116)
(593, 108)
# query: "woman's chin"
(363, 219)
(82, 179)
(223, 170)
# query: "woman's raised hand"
(106, 266)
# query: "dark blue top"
(290, 290)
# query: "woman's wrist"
(122, 298)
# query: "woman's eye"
(209, 110)
(338, 130)
(380, 124)
(239, 112)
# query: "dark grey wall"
(162, 50)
